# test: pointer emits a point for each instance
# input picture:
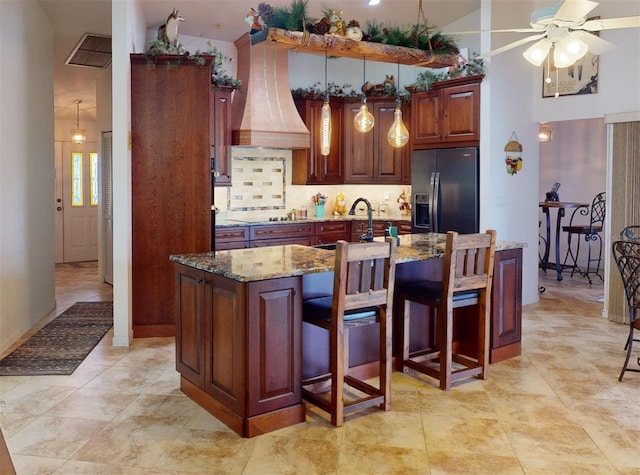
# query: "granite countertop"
(263, 263)
(230, 223)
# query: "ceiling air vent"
(92, 51)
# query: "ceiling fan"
(564, 27)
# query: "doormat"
(61, 345)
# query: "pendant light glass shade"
(364, 121)
(325, 128)
(536, 53)
(77, 135)
(325, 117)
(398, 135)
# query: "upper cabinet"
(221, 134)
(309, 165)
(448, 115)
(368, 157)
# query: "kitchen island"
(239, 336)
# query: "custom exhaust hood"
(263, 111)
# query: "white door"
(59, 222)
(80, 201)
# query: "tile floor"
(557, 409)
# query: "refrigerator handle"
(434, 202)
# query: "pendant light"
(77, 135)
(398, 135)
(364, 121)
(325, 117)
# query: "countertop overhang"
(273, 262)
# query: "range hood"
(263, 111)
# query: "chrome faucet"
(368, 236)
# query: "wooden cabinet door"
(358, 148)
(225, 344)
(170, 182)
(309, 165)
(274, 349)
(426, 115)
(191, 310)
(388, 159)
(329, 232)
(461, 117)
(506, 305)
(221, 135)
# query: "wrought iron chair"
(627, 257)
(364, 278)
(590, 233)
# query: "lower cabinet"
(238, 349)
(330, 232)
(506, 305)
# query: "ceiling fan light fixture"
(537, 53)
(574, 45)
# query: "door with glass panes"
(77, 201)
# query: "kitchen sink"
(329, 247)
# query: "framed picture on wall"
(579, 78)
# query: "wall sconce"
(545, 132)
(364, 121)
(77, 135)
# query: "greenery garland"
(296, 18)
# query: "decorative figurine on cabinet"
(169, 31)
(253, 19)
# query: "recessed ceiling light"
(374, 2)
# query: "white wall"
(27, 257)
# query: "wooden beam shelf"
(344, 47)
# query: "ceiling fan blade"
(596, 44)
(611, 23)
(574, 10)
(515, 44)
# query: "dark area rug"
(61, 345)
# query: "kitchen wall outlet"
(385, 196)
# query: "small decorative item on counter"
(340, 206)
(553, 194)
(319, 200)
(405, 203)
(514, 155)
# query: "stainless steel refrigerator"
(445, 190)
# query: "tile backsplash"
(261, 187)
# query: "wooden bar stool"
(466, 281)
(362, 295)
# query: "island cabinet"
(170, 180)
(448, 115)
(309, 166)
(238, 349)
(220, 107)
(506, 305)
(368, 157)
